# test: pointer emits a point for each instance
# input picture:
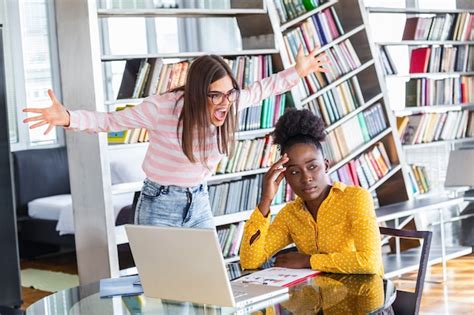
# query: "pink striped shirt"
(165, 162)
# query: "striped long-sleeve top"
(165, 161)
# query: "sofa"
(44, 204)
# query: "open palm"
(311, 62)
(55, 115)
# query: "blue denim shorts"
(174, 206)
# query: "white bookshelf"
(415, 152)
(187, 55)
(182, 13)
(352, 18)
(98, 184)
(432, 109)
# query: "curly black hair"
(298, 126)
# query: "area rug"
(51, 281)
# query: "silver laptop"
(185, 264)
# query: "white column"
(89, 170)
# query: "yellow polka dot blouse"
(345, 237)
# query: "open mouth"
(220, 114)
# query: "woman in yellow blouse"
(332, 225)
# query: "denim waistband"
(172, 188)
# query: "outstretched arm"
(143, 115)
(284, 80)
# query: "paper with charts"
(277, 276)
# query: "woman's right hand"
(271, 181)
(55, 115)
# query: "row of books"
(425, 128)
(264, 116)
(137, 135)
(418, 179)
(440, 27)
(250, 155)
(442, 59)
(230, 238)
(365, 170)
(343, 59)
(291, 9)
(447, 91)
(353, 133)
(337, 102)
(233, 270)
(247, 70)
(242, 195)
(150, 76)
(316, 31)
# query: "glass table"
(324, 294)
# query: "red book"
(353, 172)
(419, 60)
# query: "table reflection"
(338, 294)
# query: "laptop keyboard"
(239, 290)
(238, 294)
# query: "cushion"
(60, 208)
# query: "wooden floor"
(65, 263)
(456, 296)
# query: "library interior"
(329, 169)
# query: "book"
(278, 276)
(129, 78)
(120, 286)
(410, 28)
(419, 60)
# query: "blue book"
(120, 286)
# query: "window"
(31, 64)
(37, 48)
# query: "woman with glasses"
(190, 129)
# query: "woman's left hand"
(311, 63)
(293, 260)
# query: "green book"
(411, 94)
(264, 114)
(363, 127)
(229, 240)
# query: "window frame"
(15, 69)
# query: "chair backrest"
(408, 303)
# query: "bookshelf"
(345, 34)
(428, 60)
(363, 101)
(357, 76)
(252, 22)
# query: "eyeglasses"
(217, 97)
